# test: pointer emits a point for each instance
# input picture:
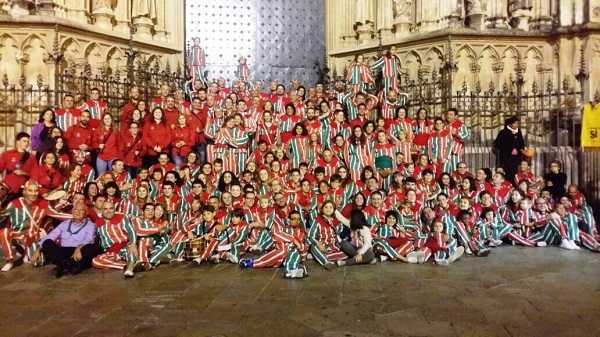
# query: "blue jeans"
(178, 160)
(103, 165)
(201, 150)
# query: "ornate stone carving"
(403, 10)
(143, 8)
(403, 16)
(365, 19)
(102, 11)
(143, 13)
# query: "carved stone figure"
(403, 10)
(364, 11)
(473, 7)
(385, 10)
(143, 8)
(98, 5)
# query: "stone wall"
(488, 39)
(94, 32)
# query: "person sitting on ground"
(360, 248)
(71, 245)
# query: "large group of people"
(271, 179)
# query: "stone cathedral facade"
(487, 41)
(97, 33)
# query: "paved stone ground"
(513, 292)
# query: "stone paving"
(515, 291)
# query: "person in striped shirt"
(26, 215)
(117, 237)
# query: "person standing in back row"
(509, 146)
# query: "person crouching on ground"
(71, 246)
(360, 248)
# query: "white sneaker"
(374, 261)
(7, 267)
(383, 258)
(468, 251)
(309, 256)
(442, 262)
(495, 243)
(214, 259)
(457, 254)
(129, 273)
(574, 245)
(340, 263)
(412, 257)
(564, 244)
(541, 244)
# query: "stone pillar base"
(103, 18)
(143, 27)
(401, 28)
(522, 17)
(365, 36)
(454, 21)
(477, 21)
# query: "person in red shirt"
(182, 140)
(80, 137)
(163, 165)
(96, 106)
(106, 144)
(47, 174)
(156, 137)
(68, 115)
(197, 121)
(131, 148)
(16, 166)
(161, 101)
(127, 109)
(171, 112)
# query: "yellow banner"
(590, 126)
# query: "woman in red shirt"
(182, 140)
(61, 151)
(156, 137)
(47, 174)
(106, 143)
(131, 148)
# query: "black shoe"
(68, 265)
(77, 268)
(59, 271)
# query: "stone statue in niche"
(143, 8)
(403, 10)
(474, 7)
(100, 5)
(364, 12)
